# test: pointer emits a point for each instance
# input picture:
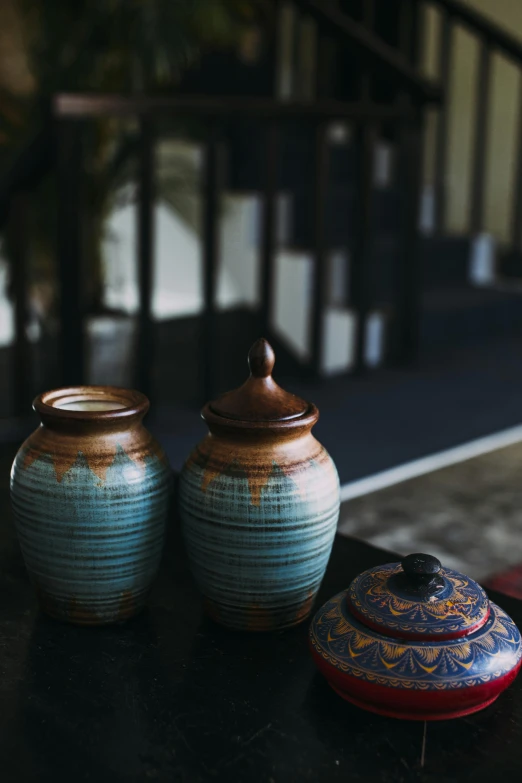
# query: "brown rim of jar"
(47, 405)
(306, 420)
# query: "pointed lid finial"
(261, 359)
(260, 398)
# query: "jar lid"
(418, 599)
(260, 398)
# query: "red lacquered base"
(390, 713)
(409, 704)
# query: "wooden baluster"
(418, 33)
(70, 251)
(210, 261)
(407, 14)
(516, 215)
(410, 152)
(406, 28)
(325, 65)
(17, 238)
(268, 239)
(361, 256)
(409, 273)
(366, 78)
(441, 141)
(320, 183)
(145, 250)
(296, 80)
(368, 13)
(481, 140)
(274, 34)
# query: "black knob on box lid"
(420, 566)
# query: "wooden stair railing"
(32, 163)
(70, 114)
(497, 37)
(492, 39)
(401, 65)
(64, 135)
(361, 39)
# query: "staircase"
(469, 284)
(355, 264)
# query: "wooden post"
(406, 28)
(274, 26)
(409, 273)
(268, 240)
(366, 77)
(70, 251)
(516, 214)
(17, 236)
(441, 141)
(369, 13)
(145, 249)
(418, 34)
(320, 261)
(481, 140)
(210, 261)
(361, 256)
(326, 48)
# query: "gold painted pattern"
(349, 647)
(370, 595)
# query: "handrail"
(369, 44)
(78, 105)
(495, 35)
(33, 161)
(37, 157)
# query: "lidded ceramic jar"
(413, 640)
(259, 503)
(90, 490)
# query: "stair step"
(467, 314)
(510, 264)
(444, 261)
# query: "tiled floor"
(469, 515)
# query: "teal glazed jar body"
(90, 491)
(259, 504)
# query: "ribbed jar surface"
(259, 525)
(90, 515)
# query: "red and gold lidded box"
(414, 640)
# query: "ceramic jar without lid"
(259, 503)
(413, 640)
(89, 490)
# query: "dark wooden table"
(170, 696)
